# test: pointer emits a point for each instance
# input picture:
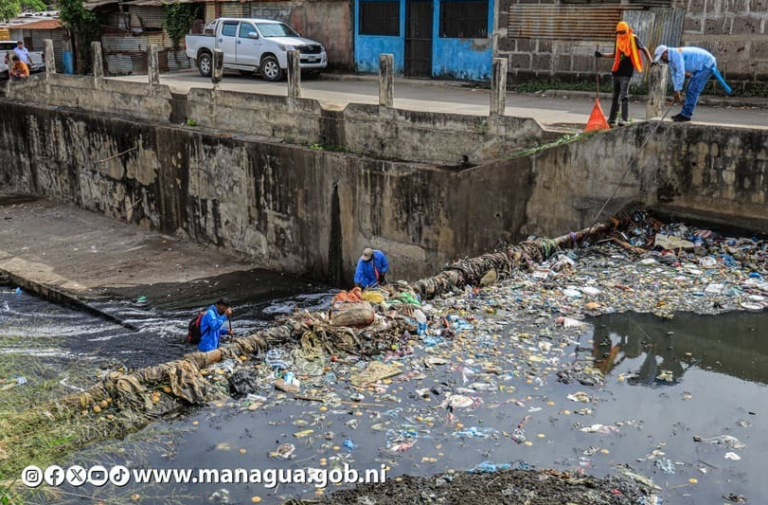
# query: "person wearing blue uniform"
(697, 62)
(211, 325)
(371, 269)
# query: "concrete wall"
(374, 131)
(710, 172)
(735, 31)
(310, 212)
(328, 22)
(284, 207)
(126, 99)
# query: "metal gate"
(418, 38)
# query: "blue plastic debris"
(474, 432)
(488, 467)
(665, 465)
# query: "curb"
(710, 101)
(58, 296)
(332, 76)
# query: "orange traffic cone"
(597, 119)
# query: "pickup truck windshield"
(276, 30)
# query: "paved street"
(439, 96)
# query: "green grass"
(27, 434)
(560, 141)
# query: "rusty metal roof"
(45, 24)
(565, 22)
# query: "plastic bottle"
(421, 321)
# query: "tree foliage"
(177, 19)
(12, 8)
(80, 21)
(83, 24)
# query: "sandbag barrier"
(136, 396)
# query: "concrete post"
(98, 65)
(50, 58)
(153, 65)
(294, 74)
(657, 88)
(499, 87)
(218, 67)
(386, 80)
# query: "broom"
(597, 118)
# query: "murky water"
(668, 382)
(152, 332)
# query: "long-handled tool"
(597, 117)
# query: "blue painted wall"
(369, 47)
(465, 59)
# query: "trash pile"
(420, 375)
(509, 486)
(422, 367)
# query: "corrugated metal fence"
(128, 54)
(654, 27)
(564, 22)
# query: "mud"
(509, 487)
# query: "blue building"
(429, 38)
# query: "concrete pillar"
(98, 64)
(657, 88)
(50, 58)
(386, 80)
(499, 87)
(153, 65)
(218, 67)
(294, 74)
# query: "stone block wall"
(735, 31)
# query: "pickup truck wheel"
(205, 64)
(270, 69)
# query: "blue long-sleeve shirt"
(687, 59)
(365, 276)
(211, 329)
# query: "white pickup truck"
(251, 45)
(6, 53)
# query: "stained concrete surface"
(433, 96)
(93, 257)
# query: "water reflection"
(660, 352)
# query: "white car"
(254, 45)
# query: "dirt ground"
(508, 487)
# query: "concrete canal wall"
(309, 211)
(370, 130)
